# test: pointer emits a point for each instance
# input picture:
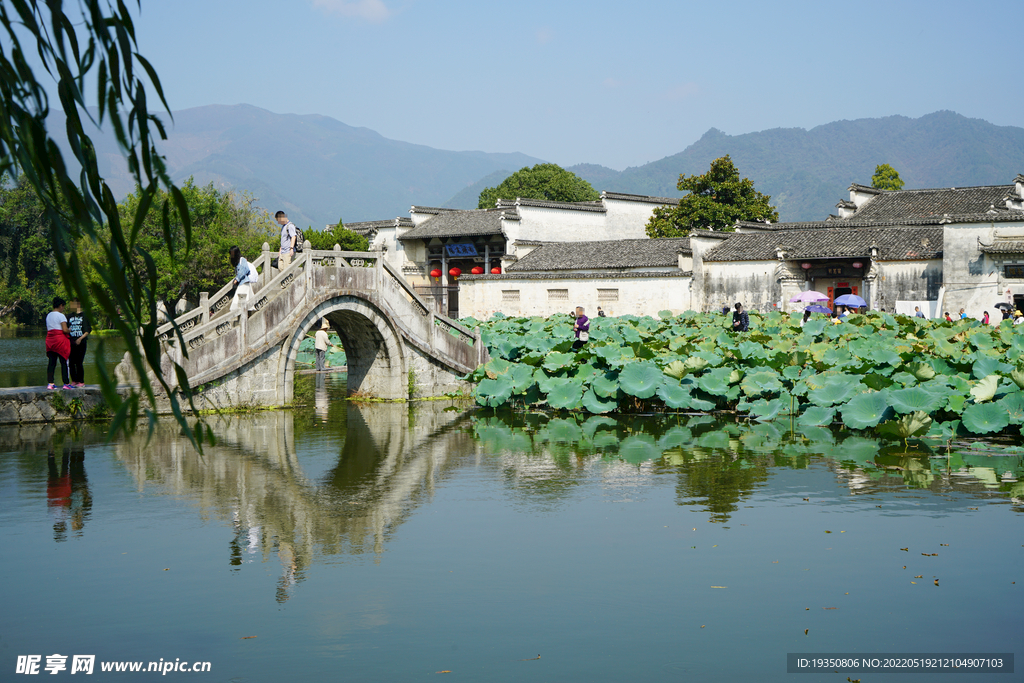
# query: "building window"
(510, 295)
(558, 295)
(1015, 271)
(607, 295)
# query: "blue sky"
(618, 84)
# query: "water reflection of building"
(390, 460)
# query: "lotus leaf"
(761, 382)
(986, 365)
(665, 315)
(751, 350)
(493, 392)
(496, 367)
(676, 369)
(911, 424)
(547, 383)
(813, 328)
(701, 404)
(867, 410)
(1013, 404)
(985, 418)
(567, 396)
(816, 416)
(556, 360)
(593, 403)
(834, 393)
(876, 381)
(922, 371)
(885, 357)
(674, 396)
(985, 389)
(560, 430)
(795, 372)
(766, 410)
(716, 382)
(640, 379)
(916, 399)
(1017, 375)
(904, 378)
(837, 358)
(716, 440)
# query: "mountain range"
(319, 169)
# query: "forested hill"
(807, 171)
(314, 167)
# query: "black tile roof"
(613, 275)
(1003, 247)
(544, 204)
(607, 254)
(458, 224)
(368, 227)
(911, 204)
(641, 198)
(904, 244)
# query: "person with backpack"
(289, 240)
(245, 277)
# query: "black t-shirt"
(78, 326)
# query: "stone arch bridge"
(397, 347)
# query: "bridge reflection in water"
(392, 456)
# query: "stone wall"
(27, 405)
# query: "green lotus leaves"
(834, 393)
(985, 418)
(911, 424)
(716, 382)
(674, 396)
(556, 360)
(816, 416)
(567, 396)
(597, 404)
(493, 392)
(873, 372)
(985, 389)
(676, 369)
(1013, 404)
(867, 410)
(761, 382)
(639, 448)
(915, 399)
(640, 379)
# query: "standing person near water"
(582, 329)
(58, 345)
(78, 330)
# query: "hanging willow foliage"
(96, 48)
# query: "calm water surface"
(23, 357)
(389, 542)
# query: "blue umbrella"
(818, 309)
(851, 300)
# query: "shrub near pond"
(897, 376)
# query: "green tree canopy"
(886, 178)
(337, 234)
(543, 181)
(716, 201)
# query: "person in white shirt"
(288, 236)
(322, 341)
(245, 277)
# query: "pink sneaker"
(51, 386)
(79, 384)
(68, 386)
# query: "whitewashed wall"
(480, 297)
(974, 281)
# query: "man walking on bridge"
(288, 236)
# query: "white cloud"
(370, 10)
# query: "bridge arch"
(372, 342)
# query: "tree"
(338, 234)
(886, 178)
(97, 49)
(219, 221)
(716, 201)
(543, 181)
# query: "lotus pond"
(895, 377)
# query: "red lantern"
(477, 270)
(436, 274)
(857, 264)
(495, 271)
(455, 273)
(805, 266)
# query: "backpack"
(299, 239)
